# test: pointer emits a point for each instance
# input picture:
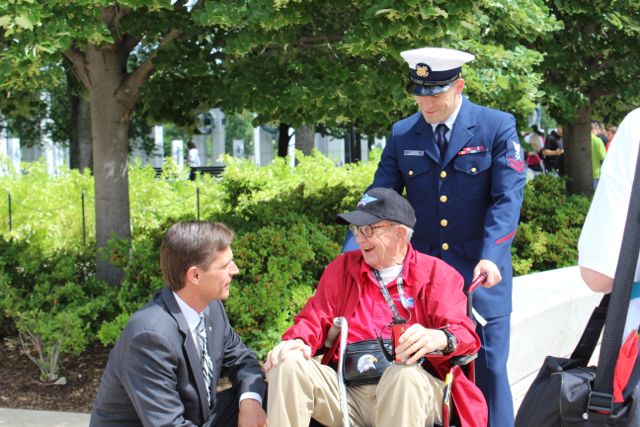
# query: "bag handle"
(601, 397)
(591, 335)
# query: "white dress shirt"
(193, 318)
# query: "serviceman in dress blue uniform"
(463, 171)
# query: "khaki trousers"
(300, 389)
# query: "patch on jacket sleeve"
(514, 156)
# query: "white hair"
(409, 232)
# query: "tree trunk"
(304, 139)
(577, 153)
(283, 139)
(80, 149)
(110, 128)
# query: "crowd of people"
(399, 287)
(545, 153)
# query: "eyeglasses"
(366, 230)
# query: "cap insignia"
(422, 70)
(366, 199)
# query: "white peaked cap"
(437, 58)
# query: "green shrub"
(550, 224)
(315, 188)
(143, 278)
(284, 219)
(279, 269)
(54, 300)
(47, 209)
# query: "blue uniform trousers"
(491, 370)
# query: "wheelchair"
(466, 362)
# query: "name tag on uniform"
(415, 153)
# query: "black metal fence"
(10, 209)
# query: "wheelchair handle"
(472, 287)
(477, 282)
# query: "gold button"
(445, 246)
(410, 173)
(473, 170)
(443, 174)
(444, 222)
(443, 199)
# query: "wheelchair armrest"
(462, 360)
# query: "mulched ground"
(20, 387)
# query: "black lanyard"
(387, 297)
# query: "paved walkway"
(28, 418)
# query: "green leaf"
(5, 20)
(24, 22)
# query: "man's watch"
(452, 342)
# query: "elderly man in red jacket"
(385, 281)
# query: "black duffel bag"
(568, 392)
(559, 396)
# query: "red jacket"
(440, 302)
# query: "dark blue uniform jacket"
(467, 207)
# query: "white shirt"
(193, 158)
(601, 236)
(193, 318)
(390, 274)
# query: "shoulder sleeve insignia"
(514, 156)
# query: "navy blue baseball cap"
(432, 70)
(379, 204)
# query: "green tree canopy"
(339, 64)
(591, 64)
(331, 63)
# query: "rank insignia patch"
(514, 156)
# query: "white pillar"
(204, 150)
(238, 148)
(335, 150)
(157, 157)
(291, 148)
(13, 150)
(364, 150)
(256, 145)
(320, 143)
(217, 136)
(266, 147)
(177, 153)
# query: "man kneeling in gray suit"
(164, 368)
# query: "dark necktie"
(207, 365)
(441, 139)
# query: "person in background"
(600, 133)
(164, 369)
(193, 159)
(598, 152)
(553, 152)
(463, 170)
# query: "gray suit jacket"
(154, 374)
